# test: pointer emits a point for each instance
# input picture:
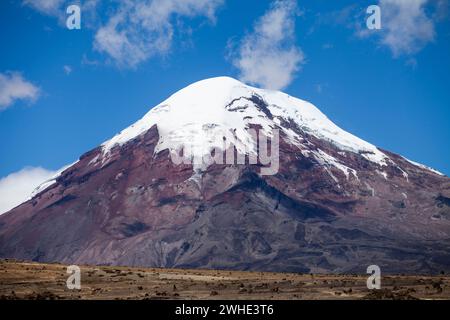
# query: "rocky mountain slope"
(335, 203)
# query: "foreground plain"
(30, 280)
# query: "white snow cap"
(204, 110)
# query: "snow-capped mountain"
(227, 105)
(336, 203)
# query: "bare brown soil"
(26, 280)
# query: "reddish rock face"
(139, 208)
(136, 207)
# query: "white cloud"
(86, 61)
(14, 87)
(90, 10)
(131, 31)
(67, 69)
(268, 56)
(18, 186)
(407, 27)
(50, 7)
(141, 29)
(411, 62)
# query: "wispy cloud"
(67, 69)
(130, 32)
(86, 61)
(139, 30)
(319, 88)
(406, 26)
(268, 56)
(49, 7)
(18, 186)
(57, 9)
(14, 87)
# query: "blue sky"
(63, 92)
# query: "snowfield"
(205, 111)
